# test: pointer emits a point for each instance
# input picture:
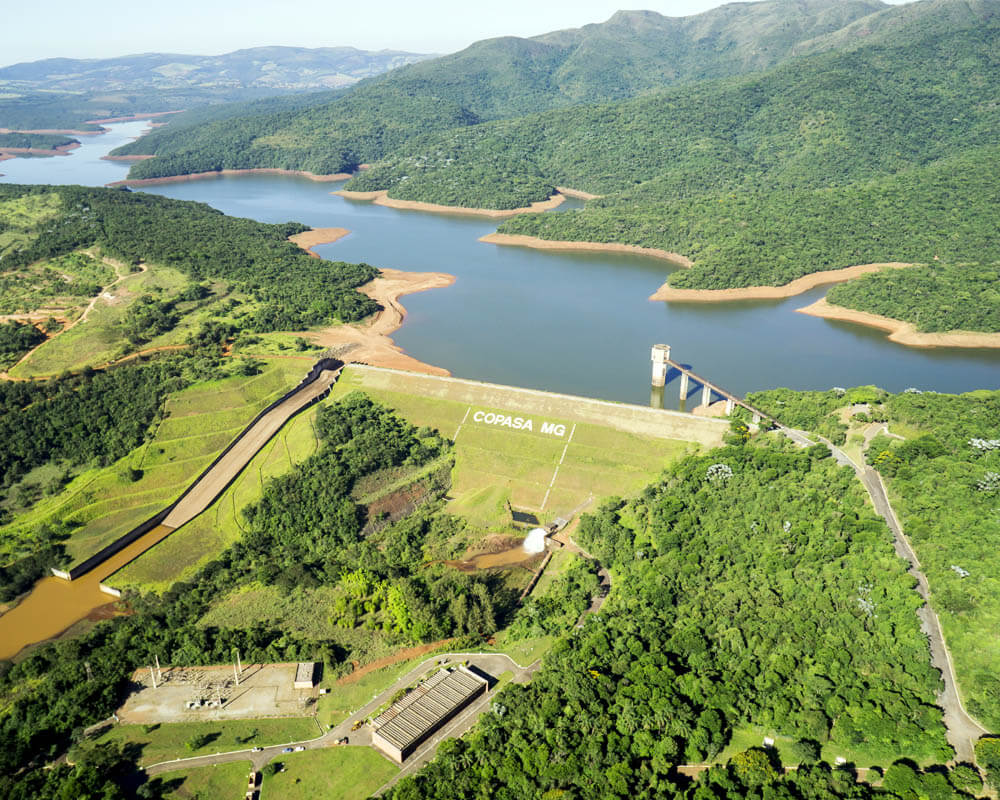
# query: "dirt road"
(120, 269)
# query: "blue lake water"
(576, 323)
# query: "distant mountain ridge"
(732, 39)
(296, 68)
(631, 53)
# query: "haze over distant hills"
(631, 53)
(295, 68)
(64, 92)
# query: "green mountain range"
(764, 141)
(633, 52)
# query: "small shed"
(305, 675)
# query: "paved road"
(962, 729)
(491, 663)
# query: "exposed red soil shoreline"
(125, 158)
(901, 332)
(798, 286)
(535, 242)
(58, 131)
(577, 193)
(381, 198)
(194, 176)
(14, 152)
(307, 240)
(370, 341)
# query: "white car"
(299, 749)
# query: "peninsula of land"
(370, 341)
(519, 240)
(14, 152)
(343, 176)
(798, 286)
(381, 198)
(899, 331)
(307, 240)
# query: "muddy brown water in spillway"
(54, 604)
(512, 557)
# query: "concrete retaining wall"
(642, 420)
(124, 541)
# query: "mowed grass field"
(169, 740)
(219, 780)
(337, 773)
(199, 422)
(547, 473)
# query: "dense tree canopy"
(763, 593)
(940, 484)
(937, 297)
(306, 531)
(292, 290)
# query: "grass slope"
(99, 339)
(341, 773)
(548, 474)
(198, 423)
(164, 741)
(182, 553)
(218, 780)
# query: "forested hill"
(286, 288)
(631, 53)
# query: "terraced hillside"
(101, 504)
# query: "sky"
(108, 28)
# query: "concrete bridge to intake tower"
(662, 363)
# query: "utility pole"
(152, 675)
(159, 672)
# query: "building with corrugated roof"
(407, 723)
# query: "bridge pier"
(756, 419)
(706, 395)
(684, 386)
(730, 405)
(660, 355)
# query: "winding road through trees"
(963, 730)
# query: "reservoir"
(576, 323)
(579, 323)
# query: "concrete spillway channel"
(56, 603)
